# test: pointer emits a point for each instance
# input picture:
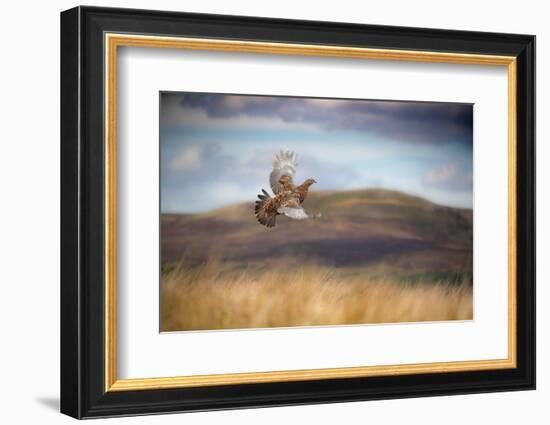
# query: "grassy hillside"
(199, 298)
(369, 256)
(376, 229)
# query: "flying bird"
(288, 198)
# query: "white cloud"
(450, 176)
(188, 159)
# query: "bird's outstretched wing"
(292, 208)
(266, 209)
(284, 164)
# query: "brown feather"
(286, 196)
(303, 189)
(266, 209)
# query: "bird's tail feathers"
(262, 212)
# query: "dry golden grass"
(206, 298)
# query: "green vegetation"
(365, 256)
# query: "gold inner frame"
(113, 41)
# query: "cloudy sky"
(217, 149)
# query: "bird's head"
(309, 182)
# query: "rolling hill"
(372, 228)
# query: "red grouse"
(288, 198)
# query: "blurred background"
(392, 205)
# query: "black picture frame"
(83, 392)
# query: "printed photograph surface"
(292, 211)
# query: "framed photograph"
(261, 212)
